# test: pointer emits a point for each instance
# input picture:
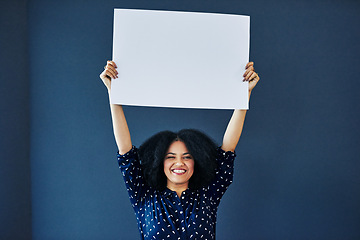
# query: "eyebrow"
(171, 153)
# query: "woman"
(175, 180)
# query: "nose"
(179, 162)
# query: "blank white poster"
(180, 59)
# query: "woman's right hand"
(108, 74)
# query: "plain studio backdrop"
(297, 167)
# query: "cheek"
(166, 165)
(191, 167)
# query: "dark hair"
(152, 154)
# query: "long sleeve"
(224, 175)
(130, 167)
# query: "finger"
(248, 75)
(252, 84)
(111, 69)
(249, 64)
(253, 77)
(107, 74)
(251, 68)
(113, 73)
(112, 63)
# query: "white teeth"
(178, 171)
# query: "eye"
(188, 157)
(169, 157)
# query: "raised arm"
(236, 123)
(120, 127)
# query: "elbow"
(227, 148)
(124, 149)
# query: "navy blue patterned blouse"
(162, 214)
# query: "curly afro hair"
(152, 154)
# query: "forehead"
(177, 147)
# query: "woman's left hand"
(251, 76)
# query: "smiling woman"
(175, 180)
(175, 195)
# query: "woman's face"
(178, 166)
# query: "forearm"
(120, 128)
(234, 129)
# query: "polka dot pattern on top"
(164, 215)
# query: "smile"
(178, 171)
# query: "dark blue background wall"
(297, 170)
(15, 195)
